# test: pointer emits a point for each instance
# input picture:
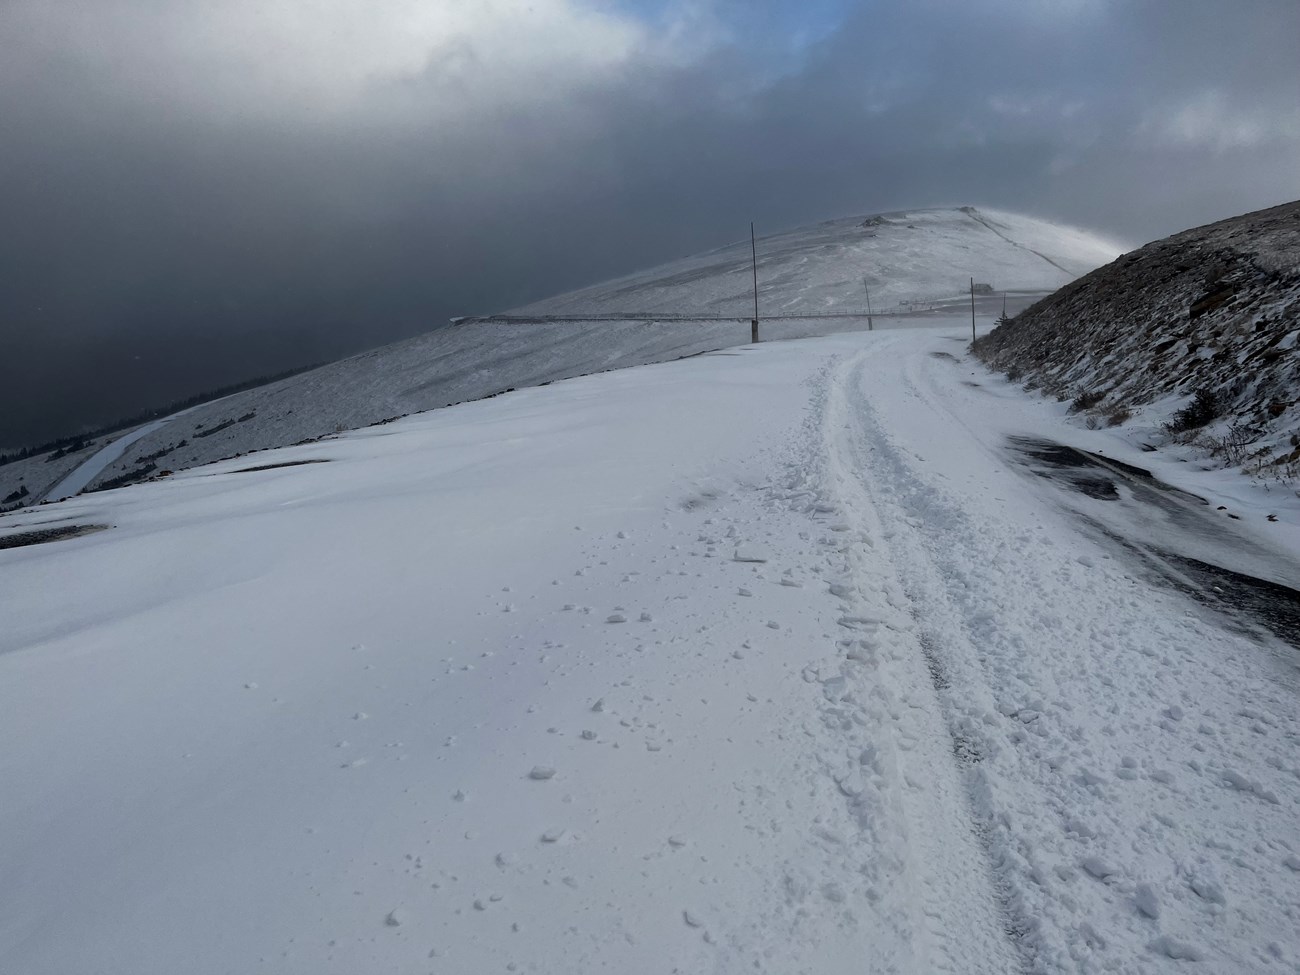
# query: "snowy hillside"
(920, 256)
(904, 257)
(1206, 321)
(833, 657)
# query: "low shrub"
(1086, 400)
(1204, 407)
(1233, 445)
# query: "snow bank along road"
(766, 660)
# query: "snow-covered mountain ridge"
(911, 260)
(1205, 321)
(904, 257)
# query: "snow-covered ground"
(93, 466)
(775, 659)
(904, 257)
(923, 256)
(40, 472)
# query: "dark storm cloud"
(194, 198)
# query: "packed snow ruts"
(394, 728)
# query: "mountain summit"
(904, 257)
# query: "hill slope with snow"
(919, 256)
(1210, 315)
(903, 257)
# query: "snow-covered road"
(767, 660)
(80, 477)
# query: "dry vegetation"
(1204, 324)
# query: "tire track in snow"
(965, 914)
(1064, 671)
(881, 475)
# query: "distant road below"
(81, 476)
(74, 483)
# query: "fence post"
(753, 253)
(972, 310)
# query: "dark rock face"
(1214, 309)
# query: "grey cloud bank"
(193, 198)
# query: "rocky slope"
(1198, 334)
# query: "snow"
(40, 472)
(922, 256)
(367, 714)
(80, 477)
(1211, 310)
(75, 482)
(906, 257)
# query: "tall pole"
(972, 309)
(870, 327)
(753, 253)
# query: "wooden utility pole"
(972, 309)
(753, 253)
(870, 327)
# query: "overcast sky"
(195, 192)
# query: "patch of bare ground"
(40, 536)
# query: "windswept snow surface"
(904, 257)
(443, 367)
(768, 660)
(919, 256)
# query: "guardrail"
(646, 317)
